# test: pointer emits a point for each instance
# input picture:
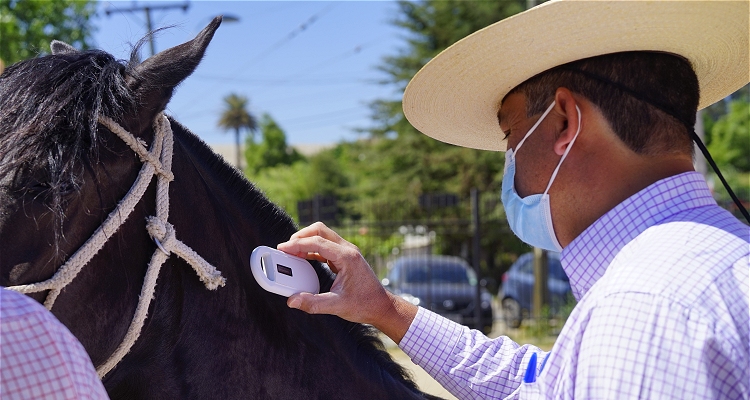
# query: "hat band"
(669, 111)
(666, 109)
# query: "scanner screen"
(284, 269)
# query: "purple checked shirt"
(662, 284)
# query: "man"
(597, 103)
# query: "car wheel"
(511, 313)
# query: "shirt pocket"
(530, 391)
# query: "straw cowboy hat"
(456, 96)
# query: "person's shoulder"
(691, 262)
(16, 305)
(704, 240)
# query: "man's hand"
(356, 294)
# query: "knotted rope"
(158, 162)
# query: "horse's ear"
(59, 47)
(161, 73)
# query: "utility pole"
(476, 257)
(148, 8)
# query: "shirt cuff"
(431, 339)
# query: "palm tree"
(236, 117)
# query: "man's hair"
(649, 98)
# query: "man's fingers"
(309, 246)
(324, 303)
(318, 257)
(319, 229)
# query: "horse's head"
(69, 125)
(56, 159)
(74, 129)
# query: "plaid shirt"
(39, 357)
(662, 283)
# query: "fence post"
(316, 208)
(540, 282)
(476, 257)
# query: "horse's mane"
(49, 111)
(279, 226)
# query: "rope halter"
(158, 162)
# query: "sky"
(311, 65)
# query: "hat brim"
(456, 96)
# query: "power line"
(318, 117)
(291, 35)
(147, 8)
(270, 82)
(286, 39)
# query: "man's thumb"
(312, 303)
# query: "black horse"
(62, 173)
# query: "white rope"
(158, 162)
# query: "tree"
(409, 162)
(402, 163)
(236, 117)
(272, 151)
(729, 138)
(27, 27)
(285, 185)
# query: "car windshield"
(439, 273)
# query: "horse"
(74, 131)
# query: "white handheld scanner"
(282, 273)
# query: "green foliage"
(410, 162)
(546, 328)
(235, 117)
(379, 178)
(272, 151)
(285, 185)
(433, 25)
(740, 184)
(729, 138)
(28, 26)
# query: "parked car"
(517, 289)
(442, 284)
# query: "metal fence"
(443, 252)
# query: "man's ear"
(567, 106)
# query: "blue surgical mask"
(530, 218)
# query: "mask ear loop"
(565, 153)
(539, 121)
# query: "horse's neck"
(209, 210)
(240, 329)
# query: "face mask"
(530, 218)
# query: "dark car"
(518, 288)
(442, 284)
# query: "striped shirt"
(662, 283)
(39, 357)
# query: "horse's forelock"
(49, 108)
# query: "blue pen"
(530, 376)
(544, 362)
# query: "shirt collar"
(587, 257)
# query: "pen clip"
(530, 376)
